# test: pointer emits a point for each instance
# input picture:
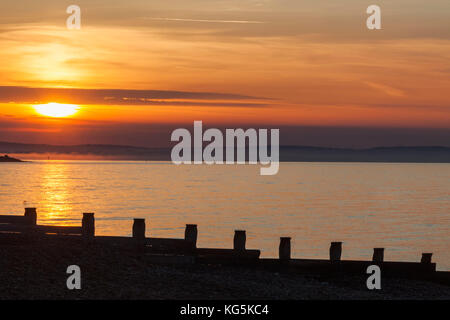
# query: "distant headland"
(6, 158)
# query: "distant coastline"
(401, 154)
(7, 158)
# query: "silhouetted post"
(139, 231)
(31, 216)
(239, 240)
(335, 251)
(285, 248)
(426, 258)
(190, 234)
(88, 226)
(378, 255)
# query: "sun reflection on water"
(55, 190)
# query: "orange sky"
(297, 64)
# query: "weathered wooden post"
(190, 234)
(335, 251)
(239, 240)
(426, 258)
(31, 216)
(285, 249)
(139, 231)
(88, 226)
(378, 255)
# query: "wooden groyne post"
(426, 258)
(88, 226)
(378, 255)
(191, 233)
(335, 251)
(31, 216)
(139, 231)
(285, 249)
(239, 240)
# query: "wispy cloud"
(390, 91)
(125, 97)
(206, 20)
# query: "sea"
(404, 208)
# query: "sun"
(56, 110)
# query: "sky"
(139, 69)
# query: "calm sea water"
(402, 207)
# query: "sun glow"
(56, 110)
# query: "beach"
(38, 271)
